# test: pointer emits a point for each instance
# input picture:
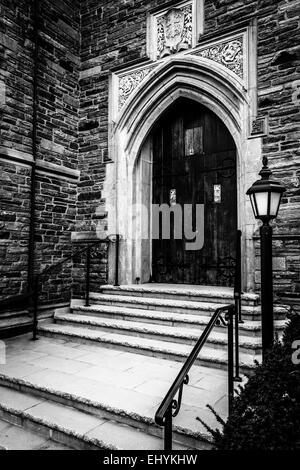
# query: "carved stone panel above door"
(230, 53)
(174, 29)
(129, 81)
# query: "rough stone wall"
(58, 100)
(57, 120)
(15, 115)
(279, 99)
(58, 90)
(113, 34)
(14, 216)
(81, 42)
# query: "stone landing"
(91, 397)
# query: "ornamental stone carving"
(259, 127)
(175, 31)
(230, 54)
(129, 82)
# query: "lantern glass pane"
(274, 206)
(262, 203)
(252, 199)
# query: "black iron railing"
(170, 405)
(40, 278)
(87, 250)
(238, 275)
(31, 299)
(238, 302)
(229, 315)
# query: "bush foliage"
(266, 414)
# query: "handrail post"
(168, 429)
(117, 260)
(237, 377)
(238, 276)
(237, 300)
(35, 295)
(87, 276)
(230, 359)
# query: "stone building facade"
(82, 112)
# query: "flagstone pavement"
(120, 379)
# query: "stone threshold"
(184, 289)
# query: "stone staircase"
(97, 375)
(162, 321)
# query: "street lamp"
(265, 196)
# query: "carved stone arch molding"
(128, 177)
(181, 76)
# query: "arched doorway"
(127, 186)
(194, 163)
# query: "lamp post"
(265, 196)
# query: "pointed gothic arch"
(203, 81)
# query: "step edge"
(137, 346)
(25, 414)
(165, 316)
(193, 305)
(11, 381)
(132, 288)
(180, 335)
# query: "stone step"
(13, 437)
(14, 324)
(18, 322)
(8, 314)
(172, 334)
(82, 424)
(217, 294)
(15, 321)
(210, 355)
(69, 426)
(247, 328)
(190, 307)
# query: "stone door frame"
(212, 85)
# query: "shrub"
(266, 413)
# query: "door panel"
(194, 160)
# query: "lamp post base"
(267, 316)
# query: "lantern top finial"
(265, 172)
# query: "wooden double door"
(194, 163)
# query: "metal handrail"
(238, 274)
(33, 295)
(86, 249)
(170, 406)
(49, 269)
(68, 258)
(13, 301)
(238, 302)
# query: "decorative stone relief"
(174, 31)
(129, 82)
(175, 28)
(259, 127)
(229, 53)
